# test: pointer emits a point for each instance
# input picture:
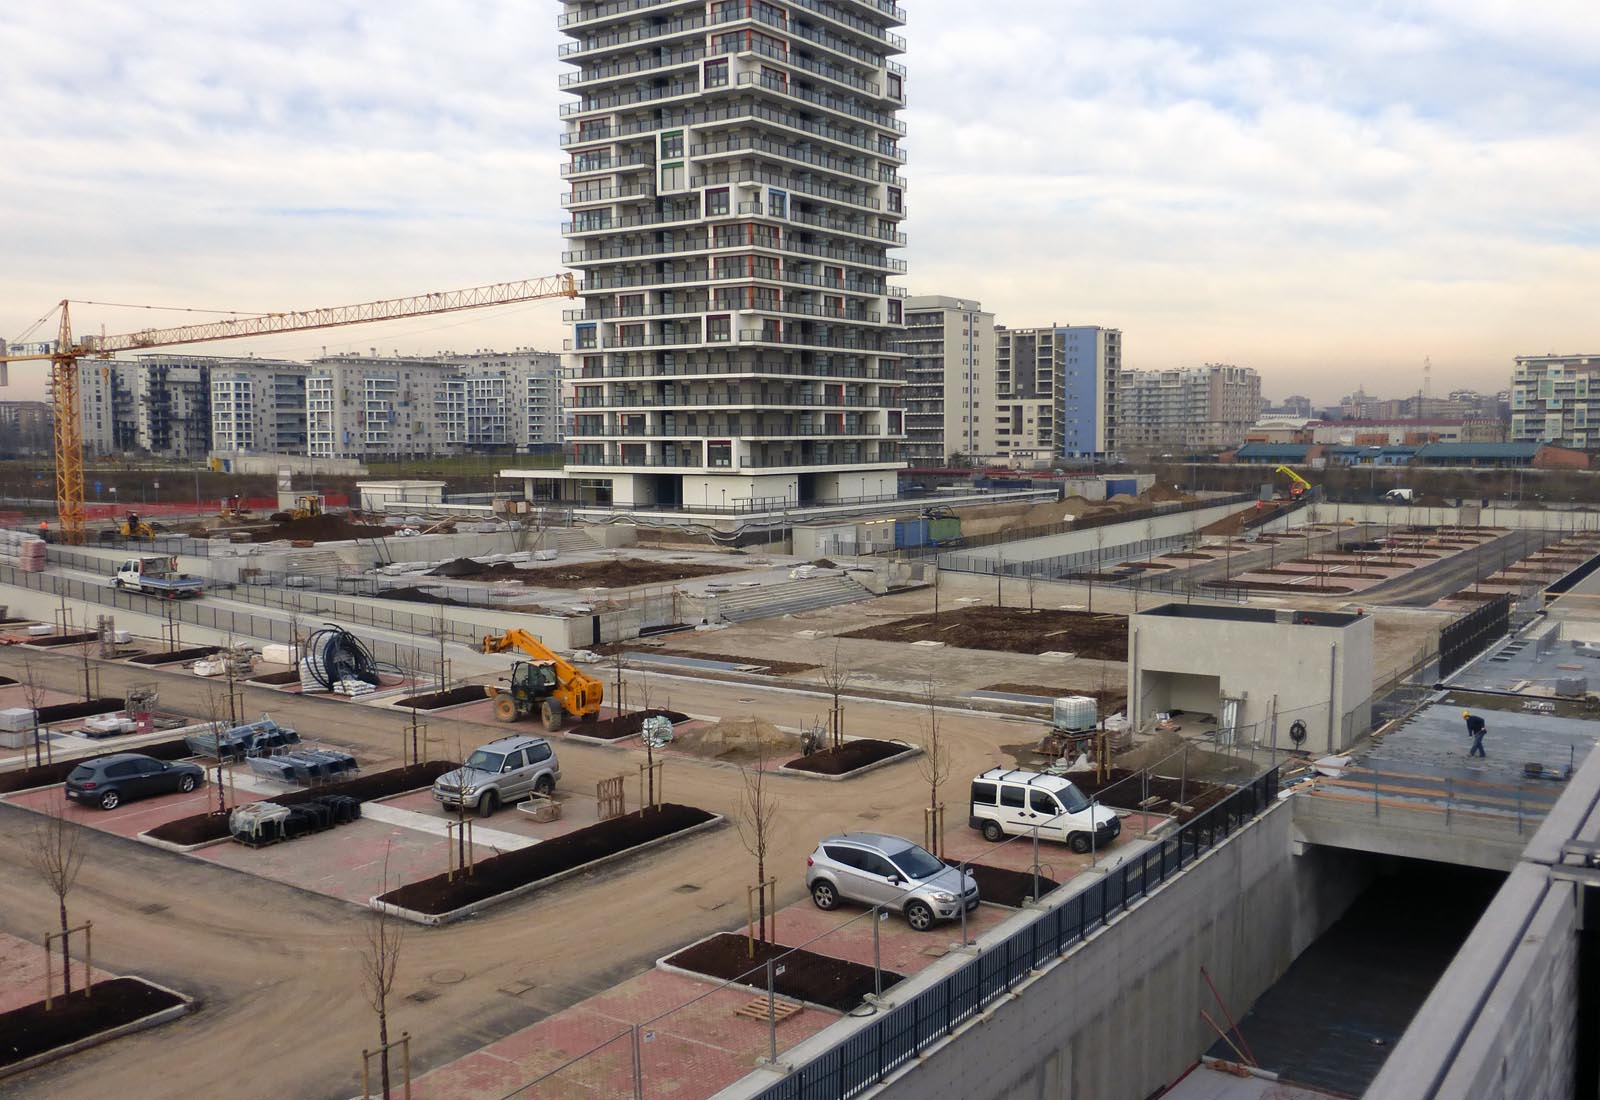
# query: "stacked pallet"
(22, 550)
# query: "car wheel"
(186, 784)
(919, 916)
(110, 800)
(488, 804)
(992, 832)
(824, 896)
(544, 786)
(1080, 843)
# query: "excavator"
(547, 683)
(135, 528)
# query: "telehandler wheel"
(505, 708)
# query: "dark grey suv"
(109, 781)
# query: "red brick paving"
(22, 968)
(131, 818)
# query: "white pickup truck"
(157, 576)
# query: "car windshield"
(917, 863)
(1072, 799)
(486, 761)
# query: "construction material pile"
(334, 659)
(738, 739)
(306, 768)
(239, 742)
(261, 823)
(22, 550)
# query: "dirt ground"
(1013, 630)
(617, 573)
(776, 668)
(325, 528)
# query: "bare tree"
(758, 814)
(619, 661)
(57, 854)
(1033, 586)
(379, 950)
(644, 693)
(836, 676)
(934, 764)
(34, 694)
(216, 711)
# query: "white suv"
(1017, 802)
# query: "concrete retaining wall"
(1400, 515)
(1120, 1017)
(1107, 538)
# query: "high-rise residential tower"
(734, 192)
(949, 346)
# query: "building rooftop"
(1478, 450)
(1218, 613)
(1283, 452)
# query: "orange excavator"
(546, 683)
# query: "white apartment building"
(1192, 409)
(734, 189)
(525, 408)
(950, 362)
(98, 384)
(1556, 399)
(1029, 363)
(258, 406)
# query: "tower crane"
(64, 356)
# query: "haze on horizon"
(1327, 192)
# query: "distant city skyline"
(1328, 196)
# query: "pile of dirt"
(510, 870)
(1001, 886)
(738, 740)
(323, 528)
(852, 756)
(30, 1030)
(618, 573)
(623, 725)
(805, 975)
(824, 563)
(200, 828)
(1012, 630)
(1162, 493)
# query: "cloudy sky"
(1328, 190)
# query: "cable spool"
(333, 654)
(1297, 732)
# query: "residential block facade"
(258, 405)
(949, 345)
(1556, 399)
(734, 190)
(1193, 409)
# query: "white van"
(1017, 802)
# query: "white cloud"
(1325, 191)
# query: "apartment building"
(734, 190)
(1189, 409)
(258, 405)
(1556, 399)
(26, 427)
(514, 399)
(1088, 406)
(949, 344)
(104, 393)
(1029, 363)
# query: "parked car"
(109, 781)
(1016, 802)
(500, 773)
(875, 869)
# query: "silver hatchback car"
(876, 869)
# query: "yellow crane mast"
(64, 356)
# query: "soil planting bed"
(806, 976)
(1108, 702)
(777, 668)
(200, 828)
(1187, 555)
(30, 1030)
(6, 681)
(1312, 571)
(1269, 586)
(63, 639)
(1125, 793)
(1144, 566)
(507, 871)
(24, 778)
(289, 676)
(624, 725)
(454, 697)
(65, 712)
(1468, 595)
(173, 656)
(413, 594)
(1000, 886)
(852, 756)
(1012, 630)
(323, 528)
(619, 573)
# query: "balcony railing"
(611, 372)
(611, 102)
(823, 100)
(739, 111)
(673, 58)
(737, 176)
(722, 146)
(642, 34)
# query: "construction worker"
(1476, 727)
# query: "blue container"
(1122, 486)
(910, 533)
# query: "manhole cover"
(421, 996)
(153, 908)
(869, 815)
(447, 977)
(686, 888)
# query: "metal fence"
(1471, 634)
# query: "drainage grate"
(421, 996)
(687, 888)
(153, 908)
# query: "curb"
(171, 846)
(435, 920)
(731, 983)
(910, 751)
(155, 1019)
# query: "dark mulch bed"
(1001, 886)
(6, 681)
(1012, 630)
(1145, 566)
(24, 778)
(289, 676)
(853, 755)
(433, 700)
(30, 1030)
(64, 639)
(174, 655)
(1269, 586)
(806, 976)
(507, 871)
(1185, 554)
(1283, 571)
(1467, 594)
(63, 712)
(200, 828)
(624, 725)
